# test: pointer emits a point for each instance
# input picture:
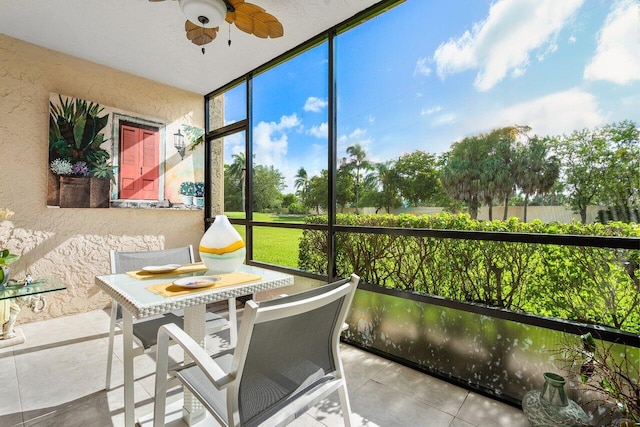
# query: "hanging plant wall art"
(103, 157)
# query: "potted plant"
(75, 131)
(187, 189)
(198, 195)
(75, 136)
(74, 183)
(6, 257)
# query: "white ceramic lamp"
(206, 13)
(221, 248)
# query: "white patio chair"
(286, 360)
(145, 331)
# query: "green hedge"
(585, 284)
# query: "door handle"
(140, 170)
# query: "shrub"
(586, 284)
(61, 167)
(80, 169)
(297, 208)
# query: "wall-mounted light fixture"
(178, 142)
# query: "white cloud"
(271, 139)
(551, 48)
(314, 104)
(421, 67)
(233, 144)
(371, 119)
(444, 119)
(572, 39)
(287, 122)
(617, 57)
(428, 111)
(320, 131)
(358, 136)
(501, 45)
(554, 114)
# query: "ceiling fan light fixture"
(206, 13)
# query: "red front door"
(139, 169)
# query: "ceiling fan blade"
(200, 35)
(266, 25)
(234, 3)
(241, 16)
(255, 20)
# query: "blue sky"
(428, 73)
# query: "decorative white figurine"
(10, 308)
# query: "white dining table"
(139, 302)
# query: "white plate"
(196, 281)
(157, 269)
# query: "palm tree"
(539, 172)
(357, 162)
(462, 172)
(301, 184)
(501, 165)
(238, 169)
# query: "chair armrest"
(210, 368)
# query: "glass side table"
(15, 295)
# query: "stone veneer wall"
(74, 244)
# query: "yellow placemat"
(226, 279)
(187, 268)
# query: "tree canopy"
(600, 166)
(506, 165)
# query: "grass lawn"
(273, 245)
(266, 217)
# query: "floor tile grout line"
(358, 357)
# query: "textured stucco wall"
(74, 243)
(216, 121)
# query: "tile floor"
(56, 378)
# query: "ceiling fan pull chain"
(203, 50)
(229, 42)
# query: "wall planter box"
(489, 350)
(74, 192)
(53, 189)
(99, 192)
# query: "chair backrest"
(286, 346)
(122, 262)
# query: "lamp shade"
(206, 13)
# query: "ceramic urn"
(222, 248)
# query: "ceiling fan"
(205, 16)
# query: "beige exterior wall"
(562, 214)
(74, 244)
